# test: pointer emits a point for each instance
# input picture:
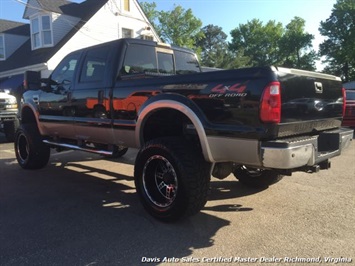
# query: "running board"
(75, 147)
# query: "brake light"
(270, 107)
(344, 100)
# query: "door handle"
(35, 99)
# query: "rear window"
(186, 63)
(140, 59)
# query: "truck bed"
(230, 100)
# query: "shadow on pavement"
(75, 213)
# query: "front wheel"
(31, 152)
(254, 177)
(172, 178)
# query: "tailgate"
(311, 102)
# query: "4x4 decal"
(235, 90)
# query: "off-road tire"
(172, 178)
(31, 152)
(257, 178)
(10, 128)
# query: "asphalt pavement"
(82, 209)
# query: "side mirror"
(32, 80)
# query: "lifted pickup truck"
(258, 123)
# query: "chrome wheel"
(160, 181)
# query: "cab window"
(93, 69)
(139, 59)
(186, 63)
(64, 73)
(165, 63)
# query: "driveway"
(83, 210)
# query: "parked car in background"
(349, 116)
(8, 114)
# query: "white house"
(58, 27)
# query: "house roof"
(25, 56)
(13, 27)
(66, 7)
(58, 6)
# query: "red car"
(349, 116)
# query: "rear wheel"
(31, 152)
(172, 178)
(254, 177)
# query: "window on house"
(127, 33)
(41, 32)
(46, 30)
(126, 5)
(36, 40)
(2, 47)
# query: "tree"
(338, 48)
(180, 27)
(258, 42)
(214, 39)
(296, 46)
(152, 14)
(214, 49)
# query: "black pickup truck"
(258, 123)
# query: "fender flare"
(34, 111)
(181, 104)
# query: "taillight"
(344, 101)
(270, 107)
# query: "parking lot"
(83, 210)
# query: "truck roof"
(129, 41)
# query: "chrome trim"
(303, 152)
(288, 158)
(75, 147)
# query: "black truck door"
(55, 110)
(90, 98)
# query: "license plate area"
(329, 142)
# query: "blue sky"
(227, 14)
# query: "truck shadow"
(2, 137)
(77, 213)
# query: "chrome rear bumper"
(306, 151)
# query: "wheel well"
(168, 123)
(27, 116)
